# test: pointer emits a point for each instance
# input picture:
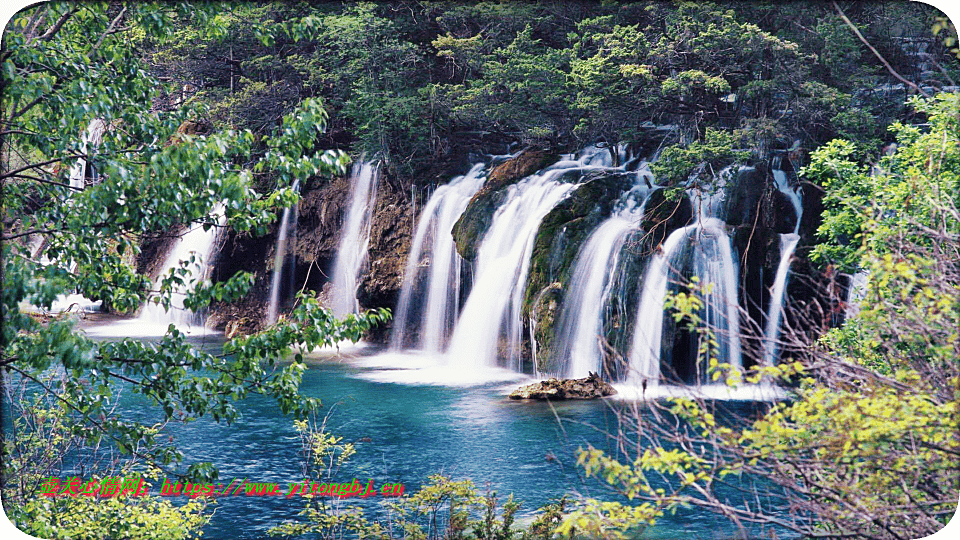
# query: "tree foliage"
(419, 82)
(67, 65)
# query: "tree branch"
(109, 30)
(44, 181)
(52, 31)
(876, 53)
(16, 172)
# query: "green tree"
(66, 65)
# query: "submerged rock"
(591, 387)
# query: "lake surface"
(405, 432)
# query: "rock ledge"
(591, 387)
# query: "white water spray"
(793, 194)
(195, 246)
(354, 239)
(434, 265)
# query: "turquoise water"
(407, 432)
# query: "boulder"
(591, 387)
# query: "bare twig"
(877, 53)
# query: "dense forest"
(124, 124)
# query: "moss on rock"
(565, 228)
(476, 218)
(666, 210)
(543, 316)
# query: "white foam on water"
(419, 369)
(136, 328)
(721, 392)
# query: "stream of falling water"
(490, 320)
(355, 236)
(195, 248)
(788, 243)
(429, 297)
(289, 215)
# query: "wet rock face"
(565, 228)
(782, 214)
(470, 228)
(320, 223)
(321, 214)
(390, 237)
(664, 213)
(561, 234)
(153, 252)
(591, 387)
(543, 315)
(744, 194)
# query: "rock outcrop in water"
(591, 387)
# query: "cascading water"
(429, 298)
(195, 247)
(487, 332)
(788, 243)
(285, 224)
(648, 329)
(355, 237)
(702, 250)
(492, 311)
(578, 329)
(90, 140)
(792, 193)
(579, 326)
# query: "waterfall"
(90, 140)
(792, 193)
(702, 250)
(194, 247)
(353, 240)
(579, 325)
(278, 259)
(648, 329)
(492, 310)
(429, 297)
(788, 243)
(717, 270)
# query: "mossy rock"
(543, 315)
(476, 218)
(619, 315)
(565, 228)
(744, 194)
(591, 387)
